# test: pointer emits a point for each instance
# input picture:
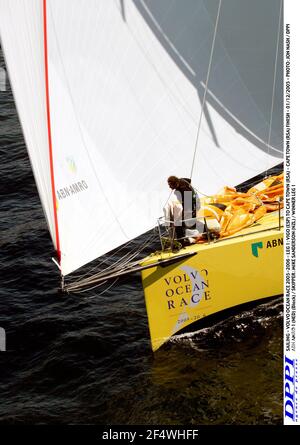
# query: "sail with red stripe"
(109, 95)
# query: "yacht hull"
(220, 275)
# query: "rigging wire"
(125, 262)
(98, 285)
(206, 86)
(274, 82)
(103, 259)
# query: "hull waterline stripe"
(49, 129)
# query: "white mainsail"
(125, 85)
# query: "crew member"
(181, 209)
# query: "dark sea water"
(86, 358)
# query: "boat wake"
(249, 325)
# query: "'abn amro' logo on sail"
(290, 389)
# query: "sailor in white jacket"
(181, 209)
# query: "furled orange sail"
(230, 211)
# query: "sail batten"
(125, 89)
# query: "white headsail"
(125, 85)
